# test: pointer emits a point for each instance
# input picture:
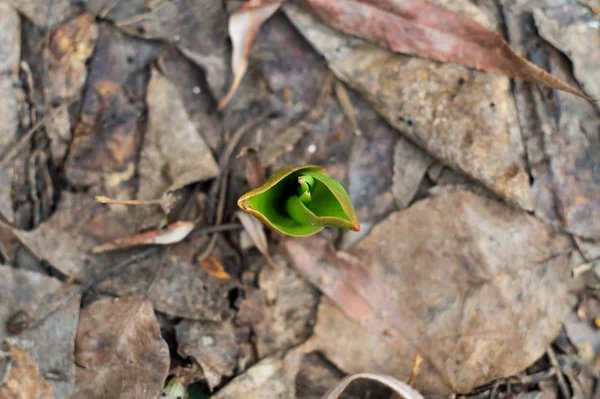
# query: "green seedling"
(300, 201)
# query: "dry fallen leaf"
(464, 118)
(173, 233)
(46, 15)
(119, 350)
(212, 345)
(281, 312)
(22, 380)
(53, 338)
(399, 387)
(417, 27)
(458, 279)
(244, 25)
(256, 232)
(214, 268)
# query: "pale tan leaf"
(22, 379)
(402, 389)
(244, 25)
(256, 232)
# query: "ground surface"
(478, 196)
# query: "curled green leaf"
(300, 201)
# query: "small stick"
(415, 370)
(561, 378)
(105, 200)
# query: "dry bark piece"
(54, 338)
(561, 137)
(503, 283)
(464, 118)
(424, 29)
(23, 381)
(120, 350)
(212, 345)
(10, 55)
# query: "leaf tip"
(356, 227)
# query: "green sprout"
(300, 201)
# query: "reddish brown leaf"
(420, 28)
(243, 28)
(212, 266)
(175, 232)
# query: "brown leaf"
(281, 312)
(272, 377)
(10, 55)
(214, 268)
(417, 27)
(464, 118)
(54, 337)
(120, 350)
(410, 166)
(468, 278)
(256, 174)
(198, 30)
(23, 381)
(173, 233)
(46, 15)
(212, 345)
(573, 29)
(70, 46)
(244, 25)
(107, 136)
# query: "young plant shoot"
(300, 201)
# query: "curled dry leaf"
(256, 232)
(467, 279)
(402, 389)
(244, 25)
(417, 27)
(120, 350)
(173, 233)
(214, 268)
(22, 379)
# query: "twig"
(415, 370)
(561, 378)
(105, 200)
(347, 107)
(221, 182)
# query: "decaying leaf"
(173, 233)
(119, 350)
(198, 30)
(107, 136)
(410, 165)
(467, 281)
(70, 46)
(10, 55)
(53, 339)
(417, 27)
(244, 25)
(22, 380)
(46, 14)
(464, 118)
(256, 233)
(212, 345)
